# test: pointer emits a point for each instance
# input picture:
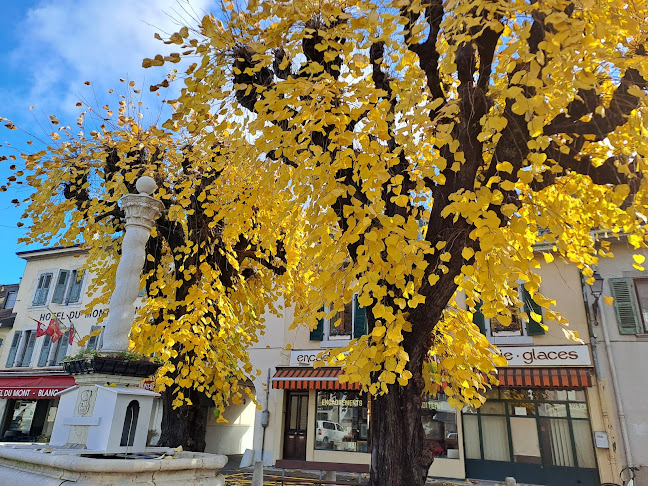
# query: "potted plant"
(125, 363)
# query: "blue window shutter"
(625, 305)
(93, 340)
(61, 285)
(13, 349)
(62, 350)
(75, 287)
(317, 334)
(45, 349)
(534, 328)
(359, 319)
(478, 318)
(29, 350)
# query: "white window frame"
(54, 273)
(516, 338)
(329, 341)
(10, 292)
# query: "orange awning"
(302, 378)
(557, 378)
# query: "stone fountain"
(100, 431)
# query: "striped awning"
(556, 378)
(302, 378)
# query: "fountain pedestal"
(103, 413)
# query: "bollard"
(257, 476)
(510, 482)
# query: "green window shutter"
(625, 305)
(45, 349)
(317, 334)
(13, 349)
(93, 340)
(478, 318)
(359, 319)
(61, 285)
(534, 328)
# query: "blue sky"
(48, 49)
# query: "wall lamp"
(596, 289)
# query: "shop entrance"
(536, 436)
(27, 421)
(295, 425)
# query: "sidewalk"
(237, 476)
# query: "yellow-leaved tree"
(209, 274)
(430, 144)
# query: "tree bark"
(184, 426)
(399, 456)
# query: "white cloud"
(68, 42)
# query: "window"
(342, 422)
(440, 426)
(51, 353)
(517, 331)
(130, 424)
(76, 283)
(346, 324)
(42, 288)
(60, 287)
(630, 304)
(22, 348)
(10, 299)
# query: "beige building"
(554, 419)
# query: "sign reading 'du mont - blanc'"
(547, 355)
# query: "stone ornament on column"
(141, 210)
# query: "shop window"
(630, 304)
(440, 426)
(349, 323)
(342, 422)
(42, 288)
(518, 331)
(10, 299)
(543, 427)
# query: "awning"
(310, 379)
(34, 386)
(556, 378)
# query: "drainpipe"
(615, 382)
(265, 415)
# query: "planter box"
(110, 366)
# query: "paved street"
(236, 476)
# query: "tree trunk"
(184, 426)
(398, 453)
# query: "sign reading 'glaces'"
(546, 355)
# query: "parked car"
(328, 432)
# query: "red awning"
(34, 386)
(310, 379)
(556, 378)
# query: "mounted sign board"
(546, 355)
(306, 357)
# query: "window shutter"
(75, 287)
(29, 350)
(534, 328)
(93, 340)
(359, 319)
(625, 305)
(45, 349)
(61, 285)
(42, 289)
(13, 349)
(478, 318)
(317, 334)
(63, 345)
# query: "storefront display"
(531, 433)
(342, 421)
(440, 426)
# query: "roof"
(52, 250)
